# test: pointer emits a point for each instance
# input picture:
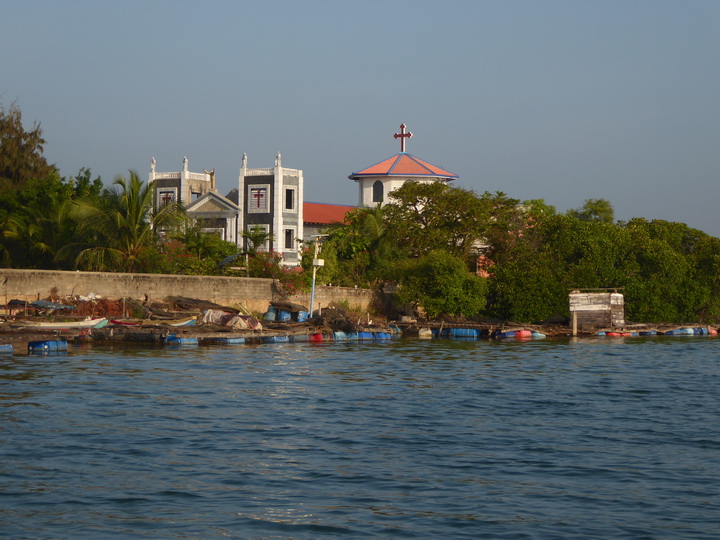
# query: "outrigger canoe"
(62, 325)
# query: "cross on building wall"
(402, 136)
(166, 198)
(259, 195)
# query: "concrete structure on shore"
(254, 294)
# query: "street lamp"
(317, 263)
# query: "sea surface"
(598, 438)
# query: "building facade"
(271, 199)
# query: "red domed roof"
(406, 165)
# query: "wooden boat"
(187, 321)
(62, 325)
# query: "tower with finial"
(377, 181)
(270, 199)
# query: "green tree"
(38, 229)
(677, 276)
(440, 284)
(423, 217)
(360, 251)
(594, 210)
(205, 246)
(21, 150)
(83, 185)
(123, 225)
(43, 236)
(255, 238)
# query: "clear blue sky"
(558, 100)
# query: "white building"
(272, 199)
(377, 181)
(196, 192)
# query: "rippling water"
(406, 439)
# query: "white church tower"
(377, 181)
(272, 199)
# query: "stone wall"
(252, 293)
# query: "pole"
(316, 264)
(574, 323)
(312, 291)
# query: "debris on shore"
(179, 320)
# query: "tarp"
(46, 304)
(231, 320)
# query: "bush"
(442, 285)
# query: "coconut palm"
(124, 225)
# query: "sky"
(557, 100)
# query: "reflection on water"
(612, 438)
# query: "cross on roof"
(402, 136)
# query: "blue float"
(463, 333)
(224, 340)
(53, 345)
(173, 340)
(276, 339)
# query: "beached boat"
(187, 321)
(61, 325)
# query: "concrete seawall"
(253, 293)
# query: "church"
(272, 198)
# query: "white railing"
(167, 176)
(197, 176)
(271, 171)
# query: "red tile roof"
(404, 164)
(325, 214)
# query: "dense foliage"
(440, 284)
(531, 256)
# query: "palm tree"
(124, 225)
(256, 238)
(38, 233)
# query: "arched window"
(377, 191)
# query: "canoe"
(186, 321)
(62, 325)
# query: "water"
(407, 439)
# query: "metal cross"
(402, 136)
